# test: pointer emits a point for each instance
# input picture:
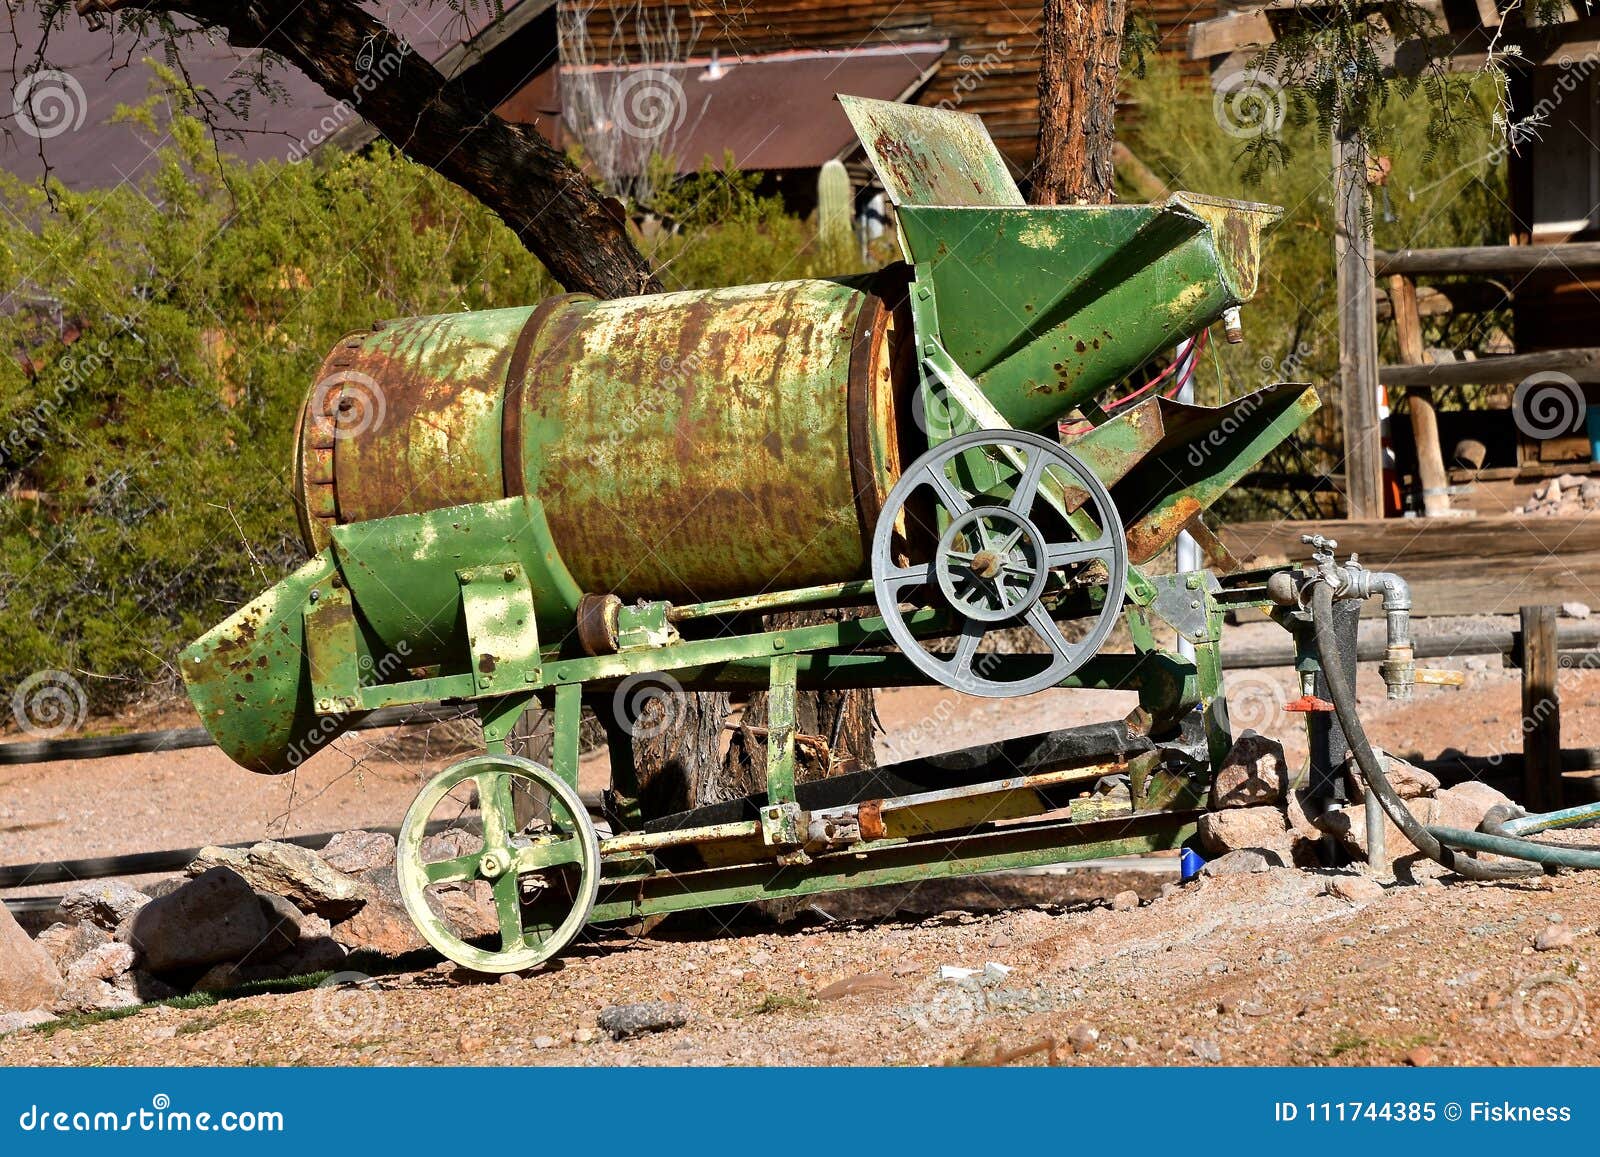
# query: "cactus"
(835, 236)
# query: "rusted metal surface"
(415, 414)
(928, 156)
(695, 445)
(597, 624)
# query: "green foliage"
(1186, 136)
(731, 235)
(170, 339)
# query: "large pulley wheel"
(499, 863)
(992, 558)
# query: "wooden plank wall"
(991, 68)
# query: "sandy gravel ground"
(1262, 969)
(1241, 970)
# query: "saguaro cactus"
(835, 237)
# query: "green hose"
(1344, 706)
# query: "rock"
(1262, 828)
(218, 978)
(17, 1021)
(103, 903)
(283, 923)
(1349, 826)
(1464, 805)
(451, 844)
(1408, 780)
(1084, 1038)
(93, 996)
(1420, 1057)
(852, 985)
(105, 962)
(1254, 772)
(214, 917)
(66, 942)
(1355, 889)
(625, 1020)
(468, 908)
(1554, 936)
(380, 926)
(1575, 610)
(1207, 1050)
(28, 977)
(1125, 901)
(358, 851)
(1244, 862)
(583, 1035)
(288, 870)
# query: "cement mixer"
(599, 501)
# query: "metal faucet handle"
(1319, 543)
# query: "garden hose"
(1344, 705)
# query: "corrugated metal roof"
(772, 111)
(98, 154)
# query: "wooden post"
(1419, 403)
(1541, 711)
(1358, 331)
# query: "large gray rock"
(288, 870)
(104, 903)
(28, 977)
(1233, 829)
(214, 917)
(1254, 772)
(358, 851)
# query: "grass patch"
(777, 1002)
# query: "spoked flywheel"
(499, 863)
(979, 526)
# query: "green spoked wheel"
(498, 863)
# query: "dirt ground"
(1241, 970)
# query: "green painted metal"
(927, 156)
(665, 470)
(1044, 307)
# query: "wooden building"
(1488, 451)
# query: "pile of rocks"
(266, 912)
(1258, 820)
(1563, 496)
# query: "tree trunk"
(579, 236)
(1080, 55)
(841, 720)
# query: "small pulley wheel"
(498, 863)
(990, 559)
